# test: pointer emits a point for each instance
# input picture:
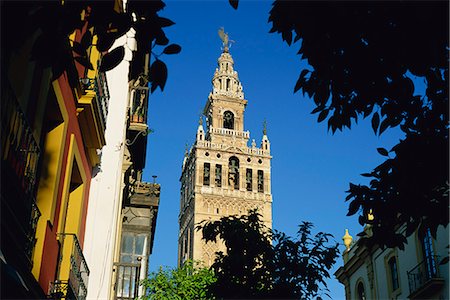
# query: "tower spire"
(225, 80)
(226, 42)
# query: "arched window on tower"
(218, 175)
(233, 172)
(260, 181)
(228, 120)
(249, 179)
(206, 173)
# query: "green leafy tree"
(185, 283)
(253, 268)
(362, 58)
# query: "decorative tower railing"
(229, 132)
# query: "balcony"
(20, 155)
(229, 132)
(19, 147)
(424, 279)
(138, 108)
(73, 270)
(126, 285)
(92, 108)
(31, 232)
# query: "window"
(249, 179)
(185, 244)
(260, 181)
(393, 269)
(428, 253)
(360, 291)
(228, 120)
(218, 175)
(233, 172)
(132, 247)
(206, 171)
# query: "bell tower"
(221, 174)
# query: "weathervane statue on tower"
(225, 41)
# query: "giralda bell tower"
(222, 175)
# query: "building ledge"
(91, 122)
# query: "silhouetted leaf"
(383, 151)
(317, 109)
(384, 125)
(78, 49)
(375, 122)
(366, 174)
(301, 79)
(161, 40)
(158, 75)
(361, 220)
(172, 49)
(84, 62)
(322, 116)
(111, 59)
(104, 42)
(353, 207)
(234, 3)
(86, 40)
(164, 22)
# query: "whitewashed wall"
(106, 186)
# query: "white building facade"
(121, 217)
(417, 272)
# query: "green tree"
(253, 268)
(362, 58)
(187, 282)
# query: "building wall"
(358, 267)
(107, 185)
(61, 183)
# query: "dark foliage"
(361, 56)
(52, 22)
(253, 268)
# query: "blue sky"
(311, 168)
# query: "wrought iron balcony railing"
(127, 281)
(19, 148)
(423, 274)
(71, 259)
(61, 289)
(100, 86)
(31, 232)
(20, 155)
(138, 105)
